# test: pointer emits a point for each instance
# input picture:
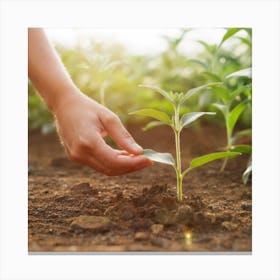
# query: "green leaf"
(245, 132)
(238, 91)
(234, 114)
(210, 48)
(196, 162)
(241, 73)
(191, 117)
(112, 65)
(199, 62)
(230, 32)
(213, 77)
(222, 108)
(152, 124)
(164, 93)
(165, 158)
(245, 41)
(193, 91)
(221, 93)
(247, 173)
(244, 149)
(158, 115)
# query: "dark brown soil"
(73, 208)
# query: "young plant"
(177, 123)
(235, 95)
(232, 113)
(105, 71)
(102, 68)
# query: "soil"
(72, 208)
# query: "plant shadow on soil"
(72, 208)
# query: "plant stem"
(224, 164)
(225, 161)
(179, 188)
(178, 154)
(178, 165)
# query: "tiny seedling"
(177, 123)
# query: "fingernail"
(137, 147)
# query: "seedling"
(231, 115)
(103, 68)
(177, 123)
(230, 103)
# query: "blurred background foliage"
(110, 74)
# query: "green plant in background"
(231, 107)
(234, 98)
(102, 69)
(92, 67)
(177, 123)
(38, 114)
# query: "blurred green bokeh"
(109, 74)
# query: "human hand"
(83, 123)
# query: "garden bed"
(73, 208)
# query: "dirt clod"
(160, 216)
(160, 241)
(156, 228)
(229, 226)
(184, 214)
(97, 223)
(246, 205)
(140, 236)
(127, 212)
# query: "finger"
(86, 160)
(114, 161)
(119, 134)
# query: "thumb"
(119, 134)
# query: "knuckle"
(110, 118)
(125, 134)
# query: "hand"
(83, 123)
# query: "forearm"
(46, 70)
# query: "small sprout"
(177, 123)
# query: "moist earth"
(72, 208)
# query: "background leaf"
(247, 173)
(193, 91)
(156, 114)
(239, 134)
(230, 32)
(222, 108)
(244, 149)
(239, 90)
(211, 76)
(234, 114)
(209, 47)
(152, 124)
(241, 73)
(164, 93)
(191, 117)
(165, 158)
(199, 62)
(196, 162)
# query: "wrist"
(63, 97)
